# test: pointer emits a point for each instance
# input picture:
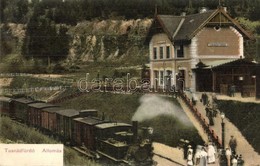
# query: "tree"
(254, 13)
(21, 11)
(3, 4)
(62, 42)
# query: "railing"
(211, 133)
(122, 90)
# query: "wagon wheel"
(141, 154)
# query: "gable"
(220, 18)
(170, 23)
(154, 29)
(184, 28)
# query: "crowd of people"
(208, 154)
(203, 155)
(210, 107)
(233, 159)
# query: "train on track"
(99, 138)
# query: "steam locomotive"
(119, 142)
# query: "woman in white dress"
(197, 155)
(189, 156)
(211, 154)
(228, 155)
(204, 157)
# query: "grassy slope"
(116, 106)
(122, 107)
(31, 82)
(14, 133)
(246, 116)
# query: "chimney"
(203, 10)
(225, 9)
(135, 130)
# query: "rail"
(167, 158)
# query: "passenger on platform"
(207, 110)
(210, 115)
(228, 155)
(215, 112)
(204, 157)
(190, 156)
(214, 98)
(194, 99)
(232, 90)
(174, 92)
(185, 148)
(234, 161)
(204, 98)
(240, 161)
(211, 154)
(197, 155)
(233, 144)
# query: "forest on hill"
(73, 11)
(95, 30)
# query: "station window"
(180, 52)
(161, 77)
(167, 52)
(154, 53)
(161, 52)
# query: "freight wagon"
(116, 141)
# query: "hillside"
(108, 39)
(50, 36)
(88, 41)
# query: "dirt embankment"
(108, 39)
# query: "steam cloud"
(154, 105)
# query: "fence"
(28, 90)
(62, 80)
(211, 133)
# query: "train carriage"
(20, 108)
(84, 131)
(49, 119)
(64, 123)
(65, 117)
(116, 141)
(35, 115)
(5, 106)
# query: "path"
(251, 157)
(171, 156)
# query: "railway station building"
(178, 45)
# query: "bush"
(257, 29)
(246, 117)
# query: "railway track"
(169, 159)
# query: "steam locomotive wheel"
(141, 154)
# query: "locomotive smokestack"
(135, 130)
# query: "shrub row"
(246, 116)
